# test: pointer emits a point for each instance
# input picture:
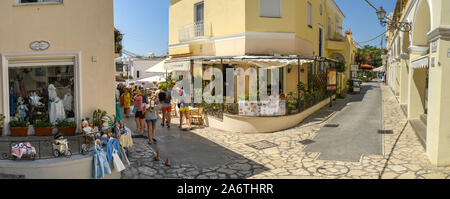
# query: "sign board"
(262, 108)
(178, 66)
(40, 45)
(355, 67)
(331, 79)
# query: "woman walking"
(126, 97)
(183, 106)
(151, 117)
(139, 116)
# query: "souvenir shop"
(41, 93)
(40, 88)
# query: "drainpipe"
(298, 81)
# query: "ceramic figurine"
(22, 109)
(35, 99)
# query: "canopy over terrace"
(268, 62)
(379, 69)
(367, 66)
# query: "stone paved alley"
(227, 155)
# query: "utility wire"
(371, 5)
(372, 38)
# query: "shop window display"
(44, 93)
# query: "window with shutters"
(270, 8)
(310, 15)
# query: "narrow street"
(360, 153)
(356, 129)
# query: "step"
(424, 118)
(421, 130)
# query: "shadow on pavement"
(187, 148)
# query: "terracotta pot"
(43, 131)
(67, 131)
(19, 131)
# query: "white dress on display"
(35, 99)
(68, 98)
(57, 111)
(52, 92)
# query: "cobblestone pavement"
(407, 160)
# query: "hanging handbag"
(118, 165)
(135, 109)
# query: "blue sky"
(145, 23)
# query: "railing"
(314, 91)
(43, 146)
(336, 37)
(194, 31)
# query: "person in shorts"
(183, 106)
(151, 117)
(167, 107)
(139, 117)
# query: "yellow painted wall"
(225, 17)
(234, 17)
(76, 25)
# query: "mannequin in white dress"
(56, 105)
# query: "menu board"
(262, 108)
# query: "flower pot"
(1, 131)
(43, 131)
(19, 131)
(67, 131)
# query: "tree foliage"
(370, 55)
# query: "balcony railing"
(194, 31)
(336, 37)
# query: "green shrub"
(40, 124)
(16, 123)
(65, 123)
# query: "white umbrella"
(153, 79)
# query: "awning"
(177, 66)
(153, 79)
(421, 62)
(266, 62)
(379, 69)
(276, 63)
(366, 66)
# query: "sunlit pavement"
(227, 155)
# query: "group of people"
(147, 104)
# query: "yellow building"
(58, 50)
(277, 28)
(417, 71)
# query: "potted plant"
(292, 103)
(18, 128)
(2, 123)
(67, 128)
(43, 128)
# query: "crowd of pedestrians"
(148, 103)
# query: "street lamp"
(401, 26)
